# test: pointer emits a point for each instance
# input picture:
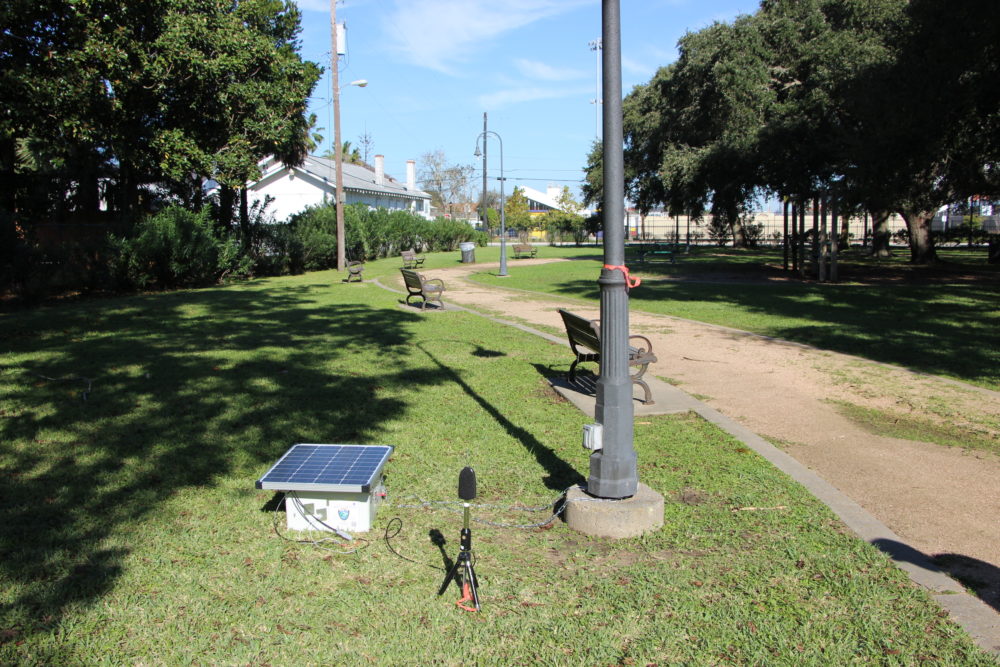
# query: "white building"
(542, 202)
(314, 182)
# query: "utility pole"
(338, 157)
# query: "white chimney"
(411, 175)
(379, 170)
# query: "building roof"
(540, 201)
(358, 178)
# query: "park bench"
(428, 289)
(585, 341)
(524, 250)
(411, 260)
(354, 270)
(656, 251)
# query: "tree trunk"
(994, 256)
(784, 236)
(227, 198)
(128, 195)
(8, 188)
(739, 233)
(244, 220)
(880, 234)
(922, 249)
(88, 196)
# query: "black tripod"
(466, 491)
(464, 562)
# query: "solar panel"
(344, 468)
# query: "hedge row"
(181, 248)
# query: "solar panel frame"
(327, 467)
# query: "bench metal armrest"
(642, 349)
(428, 281)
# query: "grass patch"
(909, 427)
(133, 534)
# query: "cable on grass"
(458, 507)
(398, 524)
(67, 378)
(318, 543)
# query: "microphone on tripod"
(466, 492)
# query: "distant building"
(314, 182)
(540, 202)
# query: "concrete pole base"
(616, 519)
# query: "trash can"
(468, 252)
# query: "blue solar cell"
(304, 467)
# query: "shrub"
(316, 231)
(174, 248)
(718, 231)
(373, 233)
(278, 251)
(753, 234)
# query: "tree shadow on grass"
(560, 473)
(186, 389)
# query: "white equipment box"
(330, 487)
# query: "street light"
(503, 219)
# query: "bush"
(373, 233)
(445, 235)
(753, 234)
(174, 248)
(278, 251)
(718, 231)
(316, 231)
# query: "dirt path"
(943, 501)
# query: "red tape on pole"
(629, 280)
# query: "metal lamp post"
(503, 219)
(614, 468)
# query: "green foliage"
(753, 235)
(146, 93)
(561, 225)
(279, 251)
(316, 231)
(516, 215)
(868, 102)
(174, 248)
(445, 234)
(719, 231)
(373, 233)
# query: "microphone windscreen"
(467, 484)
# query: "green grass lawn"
(950, 327)
(133, 430)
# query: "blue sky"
(434, 67)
